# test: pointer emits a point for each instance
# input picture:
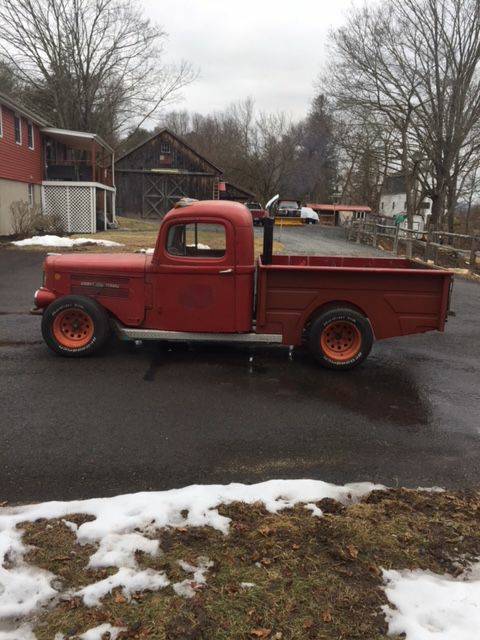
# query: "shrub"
(28, 220)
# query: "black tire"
(354, 344)
(97, 316)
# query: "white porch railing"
(78, 203)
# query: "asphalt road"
(161, 416)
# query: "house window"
(382, 205)
(197, 240)
(17, 126)
(405, 205)
(1, 122)
(164, 147)
(393, 205)
(30, 136)
(31, 195)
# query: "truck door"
(194, 283)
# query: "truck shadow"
(378, 389)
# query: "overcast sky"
(271, 50)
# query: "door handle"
(225, 272)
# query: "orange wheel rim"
(341, 341)
(73, 328)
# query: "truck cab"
(202, 270)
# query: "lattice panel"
(74, 205)
(55, 201)
(82, 218)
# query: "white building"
(393, 201)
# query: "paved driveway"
(163, 416)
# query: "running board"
(128, 333)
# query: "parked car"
(258, 213)
(203, 283)
(308, 215)
(289, 209)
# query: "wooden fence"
(438, 247)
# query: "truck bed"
(399, 296)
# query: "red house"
(69, 173)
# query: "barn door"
(161, 193)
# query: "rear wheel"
(75, 326)
(340, 338)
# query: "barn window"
(17, 125)
(165, 147)
(31, 139)
(197, 240)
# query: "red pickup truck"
(203, 283)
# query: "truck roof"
(235, 212)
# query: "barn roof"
(180, 140)
(246, 192)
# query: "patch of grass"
(314, 578)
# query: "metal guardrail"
(434, 242)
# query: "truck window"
(197, 240)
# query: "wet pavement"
(161, 416)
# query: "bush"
(28, 220)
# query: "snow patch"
(130, 581)
(22, 633)
(187, 587)
(430, 606)
(57, 241)
(22, 587)
(247, 585)
(118, 519)
(316, 511)
(97, 633)
(71, 525)
(118, 550)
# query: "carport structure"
(333, 215)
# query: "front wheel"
(340, 338)
(75, 326)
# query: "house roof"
(76, 139)
(174, 135)
(16, 106)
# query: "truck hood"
(99, 263)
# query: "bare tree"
(414, 63)
(89, 64)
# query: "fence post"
(408, 248)
(427, 246)
(350, 230)
(374, 241)
(473, 255)
(358, 231)
(395, 240)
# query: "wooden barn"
(230, 191)
(153, 176)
